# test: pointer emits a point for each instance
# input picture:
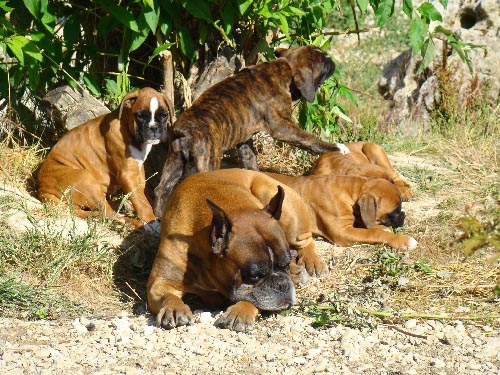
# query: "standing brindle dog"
(258, 98)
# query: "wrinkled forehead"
(151, 101)
(263, 240)
(390, 199)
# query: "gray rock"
(413, 97)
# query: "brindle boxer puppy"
(258, 98)
(350, 210)
(366, 160)
(106, 154)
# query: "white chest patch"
(140, 155)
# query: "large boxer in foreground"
(258, 98)
(348, 210)
(364, 159)
(107, 154)
(221, 240)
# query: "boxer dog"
(258, 98)
(221, 240)
(106, 154)
(364, 159)
(348, 210)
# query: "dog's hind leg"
(377, 155)
(247, 156)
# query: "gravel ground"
(278, 345)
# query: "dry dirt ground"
(361, 319)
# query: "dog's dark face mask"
(310, 68)
(395, 218)
(151, 125)
(256, 255)
(264, 280)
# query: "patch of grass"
(25, 300)
(45, 254)
(53, 251)
(427, 180)
(333, 310)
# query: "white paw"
(343, 148)
(153, 227)
(412, 243)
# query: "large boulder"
(413, 96)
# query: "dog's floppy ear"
(275, 205)
(279, 51)
(127, 101)
(170, 108)
(219, 230)
(368, 209)
(304, 80)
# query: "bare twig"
(351, 2)
(396, 328)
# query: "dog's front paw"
(344, 150)
(405, 243)
(411, 244)
(239, 317)
(404, 190)
(175, 313)
(313, 264)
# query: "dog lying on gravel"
(349, 210)
(226, 237)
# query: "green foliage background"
(110, 47)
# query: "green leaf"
(444, 3)
(418, 31)
(158, 50)
(16, 45)
(136, 39)
(7, 24)
(464, 54)
(348, 94)
(91, 84)
(408, 8)
(294, 11)
(428, 52)
(49, 21)
(265, 11)
(199, 9)
(34, 76)
(187, 45)
(121, 14)
(111, 86)
(202, 33)
(283, 24)
(441, 29)
(384, 11)
(33, 7)
(71, 30)
(338, 112)
(5, 7)
(243, 6)
(228, 17)
(362, 5)
(429, 12)
(152, 17)
(32, 50)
